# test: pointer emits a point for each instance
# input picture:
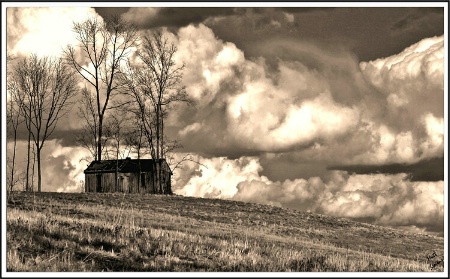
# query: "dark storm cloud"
(415, 16)
(173, 17)
(361, 30)
(295, 10)
(65, 137)
(182, 16)
(425, 170)
(358, 29)
(106, 12)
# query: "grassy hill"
(132, 232)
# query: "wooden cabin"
(128, 176)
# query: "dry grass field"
(117, 232)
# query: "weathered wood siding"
(126, 182)
(90, 182)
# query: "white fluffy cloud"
(261, 111)
(216, 177)
(267, 126)
(386, 145)
(412, 84)
(387, 199)
(327, 102)
(74, 159)
(43, 30)
(421, 61)
(209, 62)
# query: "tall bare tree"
(13, 119)
(103, 47)
(155, 86)
(45, 88)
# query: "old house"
(128, 176)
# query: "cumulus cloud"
(412, 81)
(216, 176)
(315, 104)
(390, 200)
(43, 30)
(258, 110)
(433, 143)
(268, 126)
(209, 62)
(73, 162)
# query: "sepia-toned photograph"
(223, 139)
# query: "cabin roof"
(124, 166)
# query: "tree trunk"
(13, 160)
(99, 140)
(32, 170)
(138, 151)
(158, 146)
(158, 177)
(27, 183)
(161, 182)
(38, 153)
(116, 176)
(99, 147)
(154, 178)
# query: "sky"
(329, 109)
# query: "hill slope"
(118, 232)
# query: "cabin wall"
(127, 182)
(90, 182)
(107, 182)
(149, 184)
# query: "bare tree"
(13, 119)
(45, 87)
(31, 151)
(103, 47)
(155, 86)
